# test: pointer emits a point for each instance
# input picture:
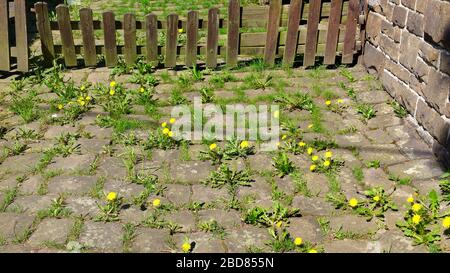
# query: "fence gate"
(13, 36)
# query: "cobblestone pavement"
(55, 173)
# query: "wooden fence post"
(109, 30)
(129, 35)
(87, 31)
(65, 29)
(212, 38)
(191, 34)
(350, 32)
(312, 32)
(45, 32)
(290, 48)
(151, 30)
(333, 31)
(5, 53)
(273, 25)
(171, 41)
(20, 17)
(234, 15)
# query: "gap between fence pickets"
(274, 43)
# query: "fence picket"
(87, 31)
(20, 18)
(312, 32)
(350, 32)
(65, 30)
(234, 14)
(151, 31)
(272, 32)
(129, 33)
(290, 48)
(45, 32)
(212, 38)
(109, 30)
(5, 63)
(333, 32)
(171, 41)
(191, 43)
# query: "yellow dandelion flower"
(312, 167)
(166, 131)
(340, 101)
(410, 199)
(172, 120)
(164, 124)
(416, 219)
(276, 114)
(376, 198)
(310, 126)
(298, 241)
(326, 163)
(111, 196)
(112, 84)
(315, 158)
(82, 88)
(82, 102)
(279, 224)
(156, 203)
(283, 137)
(328, 154)
(278, 144)
(112, 92)
(312, 251)
(212, 146)
(88, 98)
(244, 144)
(180, 30)
(170, 134)
(302, 144)
(60, 106)
(142, 90)
(446, 222)
(328, 102)
(353, 202)
(186, 247)
(310, 151)
(416, 207)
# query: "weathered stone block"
(422, 70)
(398, 70)
(373, 32)
(429, 54)
(409, 49)
(410, 3)
(437, 22)
(406, 97)
(445, 62)
(374, 59)
(433, 122)
(389, 47)
(399, 16)
(415, 23)
(437, 91)
(421, 6)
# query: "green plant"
(129, 233)
(283, 164)
(255, 82)
(115, 99)
(366, 110)
(207, 94)
(196, 74)
(400, 180)
(444, 184)
(358, 174)
(399, 110)
(347, 74)
(177, 97)
(263, 217)
(162, 138)
(373, 164)
(213, 227)
(57, 209)
(232, 179)
(300, 101)
(110, 210)
(25, 106)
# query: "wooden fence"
(327, 28)
(13, 35)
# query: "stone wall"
(408, 43)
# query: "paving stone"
(285, 184)
(227, 219)
(374, 97)
(31, 184)
(401, 193)
(376, 178)
(379, 136)
(98, 132)
(84, 206)
(8, 183)
(317, 183)
(419, 169)
(391, 218)
(132, 215)
(306, 228)
(12, 225)
(201, 193)
(150, 241)
(347, 156)
(387, 154)
(259, 192)
(352, 223)
(354, 140)
(415, 148)
(383, 121)
(164, 155)
(73, 162)
(56, 131)
(352, 246)
(111, 167)
(71, 184)
(178, 194)
(184, 218)
(27, 163)
(426, 185)
(316, 206)
(104, 237)
(51, 230)
(242, 239)
(190, 172)
(92, 146)
(396, 242)
(203, 242)
(31, 204)
(259, 162)
(123, 189)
